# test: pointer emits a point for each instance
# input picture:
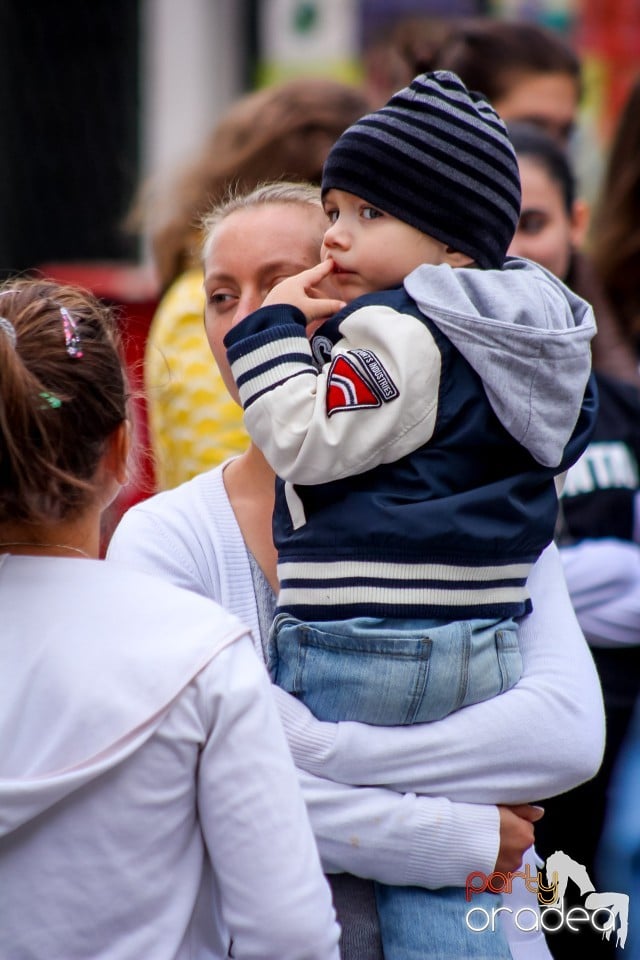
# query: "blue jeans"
(391, 672)
(419, 924)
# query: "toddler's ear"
(455, 258)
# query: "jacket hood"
(87, 674)
(527, 336)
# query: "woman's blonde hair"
(265, 194)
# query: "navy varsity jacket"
(401, 493)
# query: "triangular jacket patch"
(347, 388)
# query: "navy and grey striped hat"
(438, 157)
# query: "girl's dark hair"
(487, 54)
(62, 393)
(530, 140)
(615, 234)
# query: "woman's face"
(248, 253)
(548, 100)
(546, 231)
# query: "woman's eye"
(370, 213)
(532, 223)
(220, 299)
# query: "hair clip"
(8, 328)
(51, 399)
(71, 335)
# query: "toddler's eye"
(370, 213)
(332, 215)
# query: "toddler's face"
(371, 249)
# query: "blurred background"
(95, 97)
(99, 98)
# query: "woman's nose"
(247, 303)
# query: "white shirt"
(149, 807)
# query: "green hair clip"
(51, 399)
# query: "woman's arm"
(540, 738)
(603, 577)
(399, 838)
(404, 839)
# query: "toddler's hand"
(303, 291)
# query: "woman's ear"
(112, 473)
(117, 452)
(580, 217)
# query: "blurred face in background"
(548, 100)
(547, 231)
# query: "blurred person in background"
(615, 246)
(553, 229)
(615, 238)
(281, 132)
(526, 71)
(598, 532)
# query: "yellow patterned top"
(193, 423)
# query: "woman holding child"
(418, 435)
(213, 535)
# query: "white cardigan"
(541, 738)
(149, 806)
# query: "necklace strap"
(46, 546)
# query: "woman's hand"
(302, 291)
(516, 834)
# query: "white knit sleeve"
(400, 838)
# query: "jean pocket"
(481, 655)
(379, 680)
(509, 657)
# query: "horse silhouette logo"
(561, 868)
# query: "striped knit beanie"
(437, 157)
